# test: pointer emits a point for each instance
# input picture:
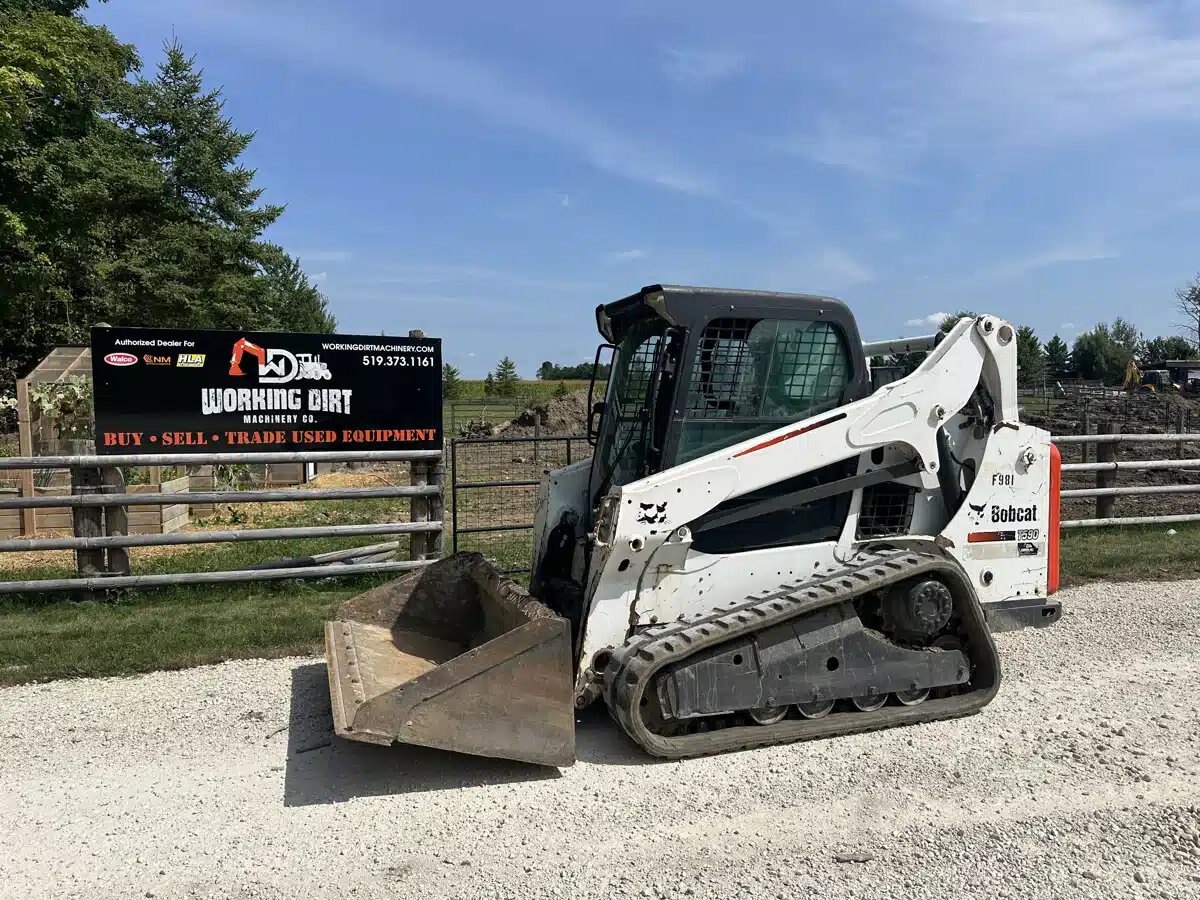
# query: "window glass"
(752, 375)
(622, 446)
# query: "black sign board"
(161, 390)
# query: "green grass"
(44, 636)
(1130, 554)
(167, 629)
(48, 636)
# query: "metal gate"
(493, 492)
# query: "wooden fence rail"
(99, 504)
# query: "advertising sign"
(161, 390)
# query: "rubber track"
(633, 666)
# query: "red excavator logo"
(277, 366)
(244, 346)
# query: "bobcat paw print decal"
(652, 513)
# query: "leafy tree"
(1057, 357)
(583, 372)
(1187, 303)
(451, 382)
(1031, 361)
(72, 181)
(1105, 351)
(123, 200)
(505, 378)
(1160, 349)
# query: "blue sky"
(489, 172)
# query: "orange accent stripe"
(779, 439)
(1052, 569)
(984, 537)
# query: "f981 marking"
(1006, 479)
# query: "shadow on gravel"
(601, 741)
(323, 768)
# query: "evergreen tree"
(506, 378)
(451, 382)
(290, 300)
(562, 390)
(1031, 362)
(1057, 357)
(198, 262)
(1159, 350)
(489, 385)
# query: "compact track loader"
(765, 547)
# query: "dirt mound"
(559, 416)
(1135, 413)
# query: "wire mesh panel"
(886, 510)
(494, 492)
(752, 375)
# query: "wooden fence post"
(1180, 428)
(436, 541)
(418, 510)
(1087, 425)
(1107, 452)
(88, 522)
(116, 520)
(537, 434)
(25, 448)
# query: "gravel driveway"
(1081, 780)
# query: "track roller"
(868, 702)
(817, 709)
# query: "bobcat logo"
(652, 513)
(976, 514)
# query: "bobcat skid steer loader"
(765, 547)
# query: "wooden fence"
(104, 517)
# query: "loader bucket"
(454, 656)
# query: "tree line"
(123, 198)
(549, 371)
(1102, 353)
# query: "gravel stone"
(163, 785)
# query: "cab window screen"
(752, 375)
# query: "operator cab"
(695, 370)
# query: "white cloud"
(1067, 325)
(1070, 67)
(832, 143)
(701, 66)
(316, 277)
(933, 320)
(835, 268)
(564, 200)
(624, 256)
(1053, 256)
(415, 67)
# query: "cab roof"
(686, 305)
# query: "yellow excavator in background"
(1152, 380)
